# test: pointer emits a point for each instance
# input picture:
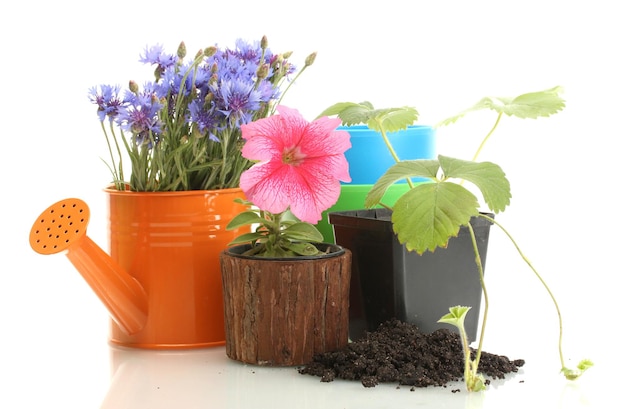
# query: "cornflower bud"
(210, 51)
(278, 61)
(195, 133)
(287, 54)
(310, 59)
(264, 42)
(133, 87)
(262, 71)
(208, 100)
(182, 50)
(158, 71)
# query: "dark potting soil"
(397, 352)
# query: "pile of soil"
(398, 352)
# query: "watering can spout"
(62, 228)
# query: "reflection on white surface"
(208, 378)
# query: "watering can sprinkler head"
(62, 227)
(59, 226)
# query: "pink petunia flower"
(300, 163)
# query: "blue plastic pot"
(369, 158)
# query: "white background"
(439, 56)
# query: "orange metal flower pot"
(162, 280)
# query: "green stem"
(481, 275)
(545, 285)
(467, 371)
(484, 142)
(118, 175)
(394, 155)
(288, 86)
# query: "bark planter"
(281, 312)
(388, 281)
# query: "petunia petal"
(262, 139)
(263, 186)
(308, 185)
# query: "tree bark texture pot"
(281, 312)
(388, 281)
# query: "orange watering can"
(162, 282)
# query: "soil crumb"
(397, 352)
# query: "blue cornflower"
(155, 55)
(250, 51)
(207, 120)
(107, 100)
(237, 100)
(227, 67)
(193, 110)
(141, 117)
(171, 81)
(268, 91)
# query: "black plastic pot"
(388, 281)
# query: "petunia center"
(293, 156)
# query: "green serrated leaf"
(392, 119)
(529, 105)
(487, 176)
(388, 119)
(456, 316)
(350, 113)
(584, 364)
(426, 216)
(536, 104)
(426, 168)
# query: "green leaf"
(584, 364)
(388, 119)
(487, 176)
(392, 119)
(426, 168)
(243, 219)
(573, 374)
(531, 105)
(302, 231)
(247, 238)
(456, 316)
(476, 383)
(426, 216)
(350, 113)
(303, 249)
(242, 201)
(429, 214)
(536, 104)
